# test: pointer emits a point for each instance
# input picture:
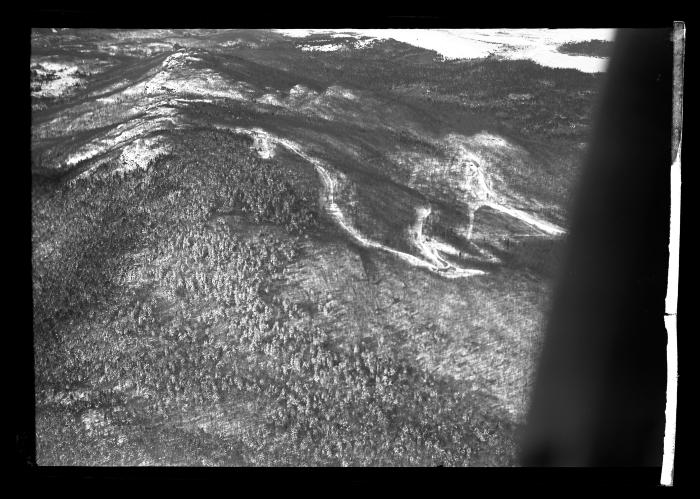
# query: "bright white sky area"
(539, 45)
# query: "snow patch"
(301, 92)
(137, 151)
(141, 153)
(270, 99)
(330, 47)
(338, 91)
(470, 175)
(65, 78)
(330, 182)
(301, 98)
(176, 76)
(358, 44)
(263, 142)
(539, 45)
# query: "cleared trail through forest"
(429, 248)
(544, 226)
(330, 185)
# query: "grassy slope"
(206, 312)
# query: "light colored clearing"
(128, 135)
(203, 83)
(301, 92)
(520, 97)
(65, 398)
(177, 76)
(451, 250)
(132, 34)
(303, 96)
(179, 60)
(86, 152)
(340, 92)
(421, 242)
(539, 45)
(331, 104)
(330, 185)
(270, 99)
(240, 43)
(181, 100)
(431, 248)
(480, 178)
(110, 89)
(56, 67)
(111, 110)
(94, 420)
(155, 96)
(330, 47)
(64, 83)
(141, 153)
(471, 173)
(263, 142)
(58, 87)
(134, 49)
(482, 158)
(66, 74)
(544, 226)
(361, 44)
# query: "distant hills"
(249, 252)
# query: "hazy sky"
(539, 45)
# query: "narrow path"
(544, 226)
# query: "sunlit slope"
(388, 167)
